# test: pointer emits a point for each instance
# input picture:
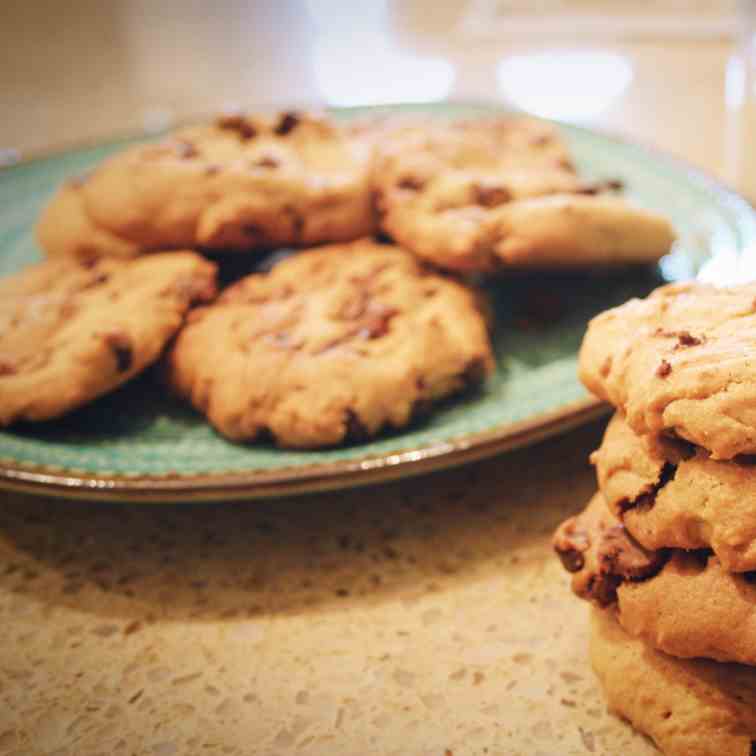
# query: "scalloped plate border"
(331, 476)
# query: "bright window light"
(575, 86)
(356, 61)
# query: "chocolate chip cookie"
(503, 193)
(332, 345)
(241, 183)
(670, 494)
(683, 603)
(680, 363)
(688, 707)
(71, 332)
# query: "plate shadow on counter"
(207, 562)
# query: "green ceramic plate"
(139, 444)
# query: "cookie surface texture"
(332, 345)
(683, 603)
(71, 332)
(241, 183)
(689, 708)
(503, 193)
(680, 362)
(673, 495)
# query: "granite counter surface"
(427, 616)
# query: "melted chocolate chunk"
(238, 123)
(684, 338)
(266, 161)
(491, 196)
(413, 183)
(621, 555)
(664, 369)
(648, 498)
(287, 123)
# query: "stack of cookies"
(335, 343)
(666, 551)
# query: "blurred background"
(670, 73)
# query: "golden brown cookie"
(242, 183)
(672, 494)
(71, 332)
(683, 603)
(680, 363)
(502, 193)
(333, 344)
(688, 708)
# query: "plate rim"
(300, 479)
(66, 482)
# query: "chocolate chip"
(238, 123)
(566, 165)
(266, 161)
(212, 169)
(620, 554)
(602, 589)
(647, 499)
(288, 122)
(571, 559)
(411, 183)
(491, 196)
(664, 369)
(355, 430)
(686, 339)
(120, 344)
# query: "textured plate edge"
(329, 476)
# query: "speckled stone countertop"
(424, 617)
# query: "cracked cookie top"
(680, 363)
(672, 494)
(332, 345)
